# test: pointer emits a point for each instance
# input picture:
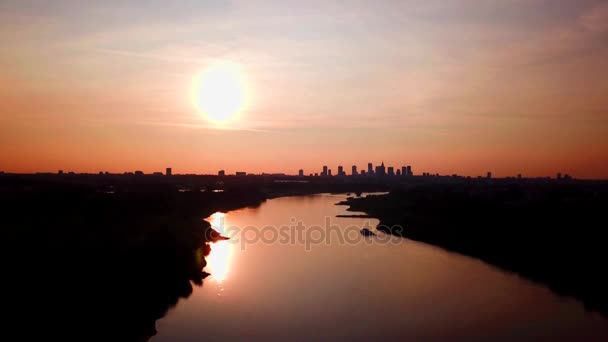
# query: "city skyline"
(307, 171)
(381, 170)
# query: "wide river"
(327, 283)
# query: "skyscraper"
(324, 173)
(301, 173)
(391, 171)
(380, 170)
(354, 170)
(340, 171)
(409, 171)
(404, 171)
(221, 173)
(370, 168)
(169, 172)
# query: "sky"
(447, 86)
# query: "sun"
(220, 92)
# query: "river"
(267, 283)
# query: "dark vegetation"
(88, 261)
(551, 232)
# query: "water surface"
(403, 290)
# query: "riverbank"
(111, 255)
(549, 233)
(97, 265)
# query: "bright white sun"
(220, 92)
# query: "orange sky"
(448, 86)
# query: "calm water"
(361, 290)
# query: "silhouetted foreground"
(88, 264)
(547, 231)
(102, 257)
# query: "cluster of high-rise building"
(378, 171)
(371, 171)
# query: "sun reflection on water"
(218, 260)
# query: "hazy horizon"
(456, 86)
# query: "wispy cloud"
(596, 19)
(158, 57)
(222, 127)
